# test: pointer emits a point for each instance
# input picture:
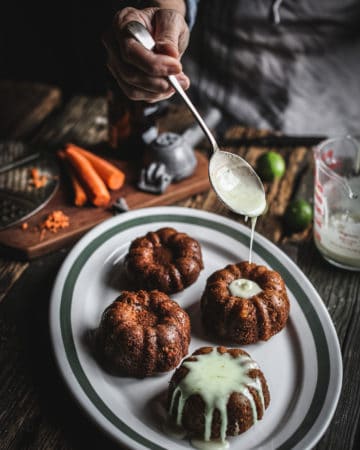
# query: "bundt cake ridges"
(165, 259)
(244, 320)
(242, 409)
(143, 333)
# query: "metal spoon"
(234, 181)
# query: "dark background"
(55, 42)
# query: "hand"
(141, 73)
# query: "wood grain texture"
(24, 106)
(82, 120)
(10, 272)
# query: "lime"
(270, 165)
(298, 215)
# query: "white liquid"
(210, 445)
(244, 288)
(237, 188)
(337, 224)
(340, 238)
(173, 430)
(253, 224)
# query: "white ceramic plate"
(302, 363)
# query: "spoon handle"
(142, 35)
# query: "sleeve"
(191, 10)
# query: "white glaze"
(237, 187)
(173, 430)
(244, 288)
(253, 224)
(210, 445)
(215, 376)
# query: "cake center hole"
(162, 255)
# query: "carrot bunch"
(91, 176)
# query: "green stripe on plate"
(322, 351)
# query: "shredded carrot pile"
(37, 180)
(54, 222)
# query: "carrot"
(93, 184)
(80, 197)
(113, 177)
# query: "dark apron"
(300, 76)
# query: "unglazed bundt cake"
(244, 303)
(142, 333)
(165, 259)
(217, 392)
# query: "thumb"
(168, 27)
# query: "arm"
(139, 72)
(177, 5)
(188, 8)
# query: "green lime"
(270, 165)
(298, 215)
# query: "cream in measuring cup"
(337, 201)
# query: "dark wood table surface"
(36, 410)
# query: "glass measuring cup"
(337, 201)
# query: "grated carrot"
(54, 222)
(37, 180)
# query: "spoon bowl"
(236, 184)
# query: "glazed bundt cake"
(217, 392)
(165, 259)
(244, 303)
(142, 333)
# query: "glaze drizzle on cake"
(215, 376)
(244, 317)
(244, 288)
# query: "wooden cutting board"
(29, 244)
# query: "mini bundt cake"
(244, 303)
(165, 259)
(217, 392)
(143, 333)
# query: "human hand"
(141, 73)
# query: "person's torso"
(271, 75)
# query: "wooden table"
(36, 410)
